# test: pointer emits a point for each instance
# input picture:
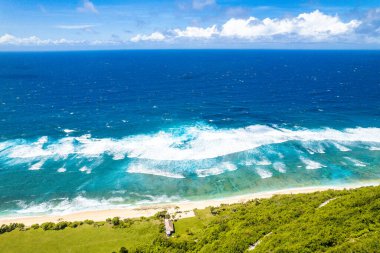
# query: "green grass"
(85, 238)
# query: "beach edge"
(183, 209)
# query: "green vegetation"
(83, 238)
(350, 222)
(11, 227)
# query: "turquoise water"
(88, 130)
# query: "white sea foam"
(65, 205)
(141, 169)
(116, 199)
(374, 148)
(249, 162)
(313, 147)
(61, 170)
(37, 166)
(118, 157)
(263, 173)
(341, 147)
(3, 145)
(85, 169)
(310, 164)
(216, 170)
(68, 131)
(188, 143)
(260, 161)
(280, 167)
(356, 162)
(264, 162)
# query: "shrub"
(9, 228)
(75, 224)
(126, 223)
(99, 223)
(35, 226)
(89, 222)
(61, 225)
(115, 221)
(48, 226)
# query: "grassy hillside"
(330, 221)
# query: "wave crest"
(188, 143)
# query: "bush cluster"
(9, 228)
(64, 224)
(116, 222)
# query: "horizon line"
(189, 49)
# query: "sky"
(38, 25)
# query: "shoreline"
(184, 209)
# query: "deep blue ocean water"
(99, 129)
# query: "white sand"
(185, 208)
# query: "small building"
(169, 227)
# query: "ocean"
(104, 129)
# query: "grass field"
(85, 238)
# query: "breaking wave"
(188, 143)
(199, 150)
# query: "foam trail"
(264, 173)
(249, 162)
(65, 205)
(356, 162)
(310, 164)
(313, 148)
(85, 169)
(226, 166)
(141, 169)
(280, 167)
(374, 148)
(341, 147)
(37, 166)
(61, 170)
(264, 162)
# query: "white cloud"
(8, 39)
(75, 27)
(196, 32)
(200, 4)
(318, 25)
(87, 6)
(306, 27)
(156, 36)
(105, 42)
(315, 25)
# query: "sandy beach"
(183, 209)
